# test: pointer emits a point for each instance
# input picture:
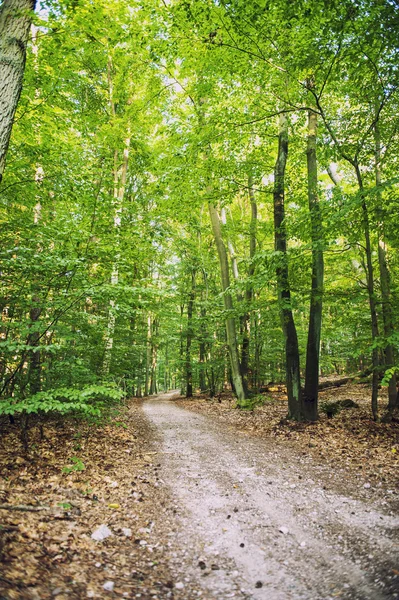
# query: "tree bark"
(284, 293)
(385, 285)
(15, 22)
(228, 305)
(371, 296)
(246, 321)
(34, 353)
(148, 360)
(240, 298)
(189, 338)
(310, 400)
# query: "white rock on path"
(101, 533)
(284, 530)
(109, 586)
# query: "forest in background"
(199, 194)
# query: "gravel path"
(257, 523)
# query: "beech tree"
(15, 22)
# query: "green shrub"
(89, 401)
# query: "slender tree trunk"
(240, 298)
(15, 22)
(148, 358)
(258, 347)
(120, 175)
(371, 296)
(189, 369)
(119, 193)
(246, 321)
(34, 375)
(228, 305)
(34, 353)
(181, 354)
(293, 378)
(139, 377)
(202, 341)
(310, 403)
(385, 286)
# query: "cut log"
(323, 385)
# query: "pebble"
(284, 530)
(367, 486)
(109, 586)
(179, 585)
(127, 531)
(101, 533)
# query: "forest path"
(263, 525)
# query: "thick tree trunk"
(189, 338)
(15, 22)
(385, 286)
(284, 294)
(228, 305)
(310, 401)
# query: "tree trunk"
(236, 276)
(246, 321)
(371, 296)
(189, 370)
(120, 175)
(15, 22)
(228, 304)
(310, 401)
(370, 283)
(202, 351)
(119, 193)
(385, 285)
(34, 353)
(284, 294)
(148, 358)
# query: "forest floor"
(213, 502)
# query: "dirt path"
(256, 523)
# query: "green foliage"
(77, 465)
(90, 401)
(253, 402)
(389, 373)
(330, 408)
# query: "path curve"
(258, 526)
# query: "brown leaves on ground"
(366, 452)
(81, 476)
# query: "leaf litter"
(95, 531)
